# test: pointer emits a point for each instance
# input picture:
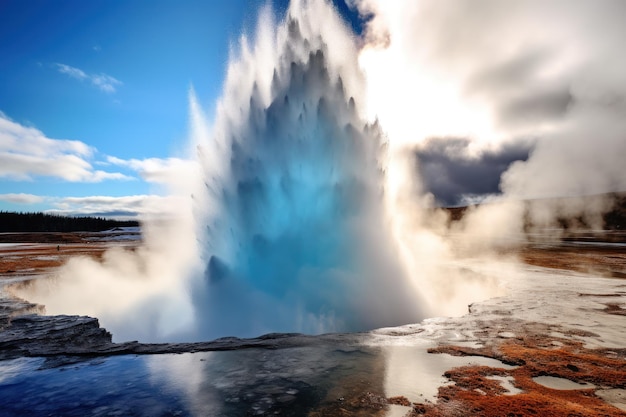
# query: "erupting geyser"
(279, 222)
(305, 217)
(294, 232)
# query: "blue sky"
(88, 86)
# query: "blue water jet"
(297, 239)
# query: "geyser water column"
(292, 219)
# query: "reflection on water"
(291, 381)
(561, 383)
(325, 378)
(12, 369)
(412, 372)
(103, 387)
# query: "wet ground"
(554, 345)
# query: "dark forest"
(42, 222)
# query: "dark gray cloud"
(535, 106)
(519, 93)
(509, 74)
(450, 171)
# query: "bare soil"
(602, 261)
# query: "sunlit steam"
(497, 74)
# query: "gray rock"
(65, 339)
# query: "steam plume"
(501, 76)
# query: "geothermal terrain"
(553, 344)
(305, 199)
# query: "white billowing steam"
(307, 211)
(137, 294)
(499, 72)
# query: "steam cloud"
(496, 74)
(316, 183)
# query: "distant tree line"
(42, 222)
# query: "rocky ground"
(554, 346)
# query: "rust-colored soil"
(614, 308)
(604, 261)
(475, 394)
(44, 237)
(35, 259)
(38, 258)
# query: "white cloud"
(104, 204)
(104, 82)
(159, 170)
(71, 71)
(131, 206)
(143, 206)
(21, 198)
(25, 153)
(28, 140)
